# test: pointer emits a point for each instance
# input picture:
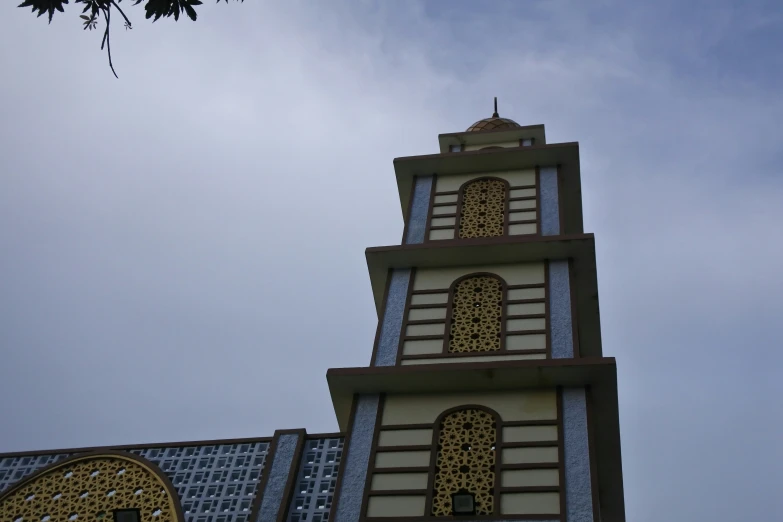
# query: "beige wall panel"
(437, 235)
(422, 347)
(510, 405)
(450, 198)
(523, 215)
(522, 193)
(530, 503)
(425, 329)
(529, 433)
(401, 459)
(441, 278)
(504, 144)
(529, 477)
(527, 293)
(478, 358)
(515, 325)
(515, 178)
(518, 205)
(441, 222)
(528, 455)
(404, 437)
(525, 309)
(522, 230)
(392, 481)
(451, 209)
(430, 299)
(526, 342)
(418, 314)
(394, 506)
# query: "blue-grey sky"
(182, 249)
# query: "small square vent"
(463, 503)
(127, 515)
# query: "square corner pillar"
(347, 506)
(275, 489)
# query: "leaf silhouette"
(44, 6)
(155, 9)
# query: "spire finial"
(495, 114)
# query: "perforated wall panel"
(316, 480)
(215, 483)
(14, 469)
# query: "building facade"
(487, 396)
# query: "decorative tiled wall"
(14, 469)
(316, 480)
(215, 483)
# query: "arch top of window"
(495, 415)
(474, 275)
(463, 431)
(483, 178)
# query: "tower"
(487, 394)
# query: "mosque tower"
(487, 396)
(487, 393)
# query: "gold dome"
(493, 123)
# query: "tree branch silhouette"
(155, 9)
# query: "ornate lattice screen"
(476, 315)
(215, 483)
(483, 209)
(465, 461)
(90, 488)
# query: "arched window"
(466, 459)
(476, 314)
(92, 487)
(482, 208)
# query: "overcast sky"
(182, 249)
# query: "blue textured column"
(280, 467)
(417, 221)
(389, 339)
(550, 206)
(578, 487)
(354, 470)
(560, 325)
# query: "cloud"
(183, 248)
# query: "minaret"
(487, 394)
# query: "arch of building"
(91, 487)
(466, 461)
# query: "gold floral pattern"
(89, 489)
(483, 209)
(465, 461)
(476, 314)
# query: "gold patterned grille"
(89, 490)
(483, 209)
(476, 313)
(466, 461)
